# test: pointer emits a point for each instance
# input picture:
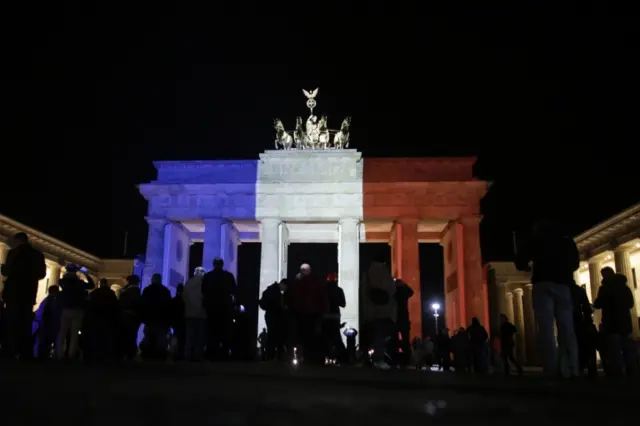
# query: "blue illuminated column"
(155, 249)
(229, 249)
(269, 258)
(212, 241)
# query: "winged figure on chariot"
(313, 133)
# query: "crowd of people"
(303, 318)
(79, 320)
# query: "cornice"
(46, 243)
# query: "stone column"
(212, 246)
(229, 247)
(349, 269)
(501, 289)
(270, 239)
(576, 276)
(595, 279)
(529, 325)
(4, 249)
(508, 301)
(407, 268)
(518, 310)
(474, 293)
(155, 249)
(283, 251)
(623, 266)
(54, 273)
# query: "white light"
(295, 362)
(435, 306)
(638, 245)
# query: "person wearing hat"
(23, 268)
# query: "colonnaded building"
(58, 254)
(316, 189)
(614, 243)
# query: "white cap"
(305, 267)
(199, 271)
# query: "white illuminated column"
(348, 269)
(436, 308)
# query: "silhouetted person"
(155, 306)
(616, 300)
(262, 341)
(74, 298)
(478, 341)
(554, 257)
(273, 302)
(309, 301)
(335, 345)
(351, 334)
(586, 333)
(443, 349)
(403, 324)
(195, 317)
(130, 318)
(178, 323)
(378, 308)
(24, 267)
(102, 316)
(218, 291)
(461, 348)
(48, 323)
(507, 344)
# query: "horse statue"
(299, 136)
(341, 139)
(283, 138)
(323, 133)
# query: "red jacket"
(309, 296)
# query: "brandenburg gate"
(317, 190)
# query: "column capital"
(502, 283)
(270, 220)
(156, 221)
(407, 220)
(509, 294)
(528, 286)
(621, 250)
(518, 292)
(470, 219)
(52, 263)
(348, 221)
(595, 260)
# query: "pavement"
(274, 394)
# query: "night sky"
(549, 106)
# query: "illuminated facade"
(58, 254)
(614, 242)
(331, 196)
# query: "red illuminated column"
(406, 266)
(474, 290)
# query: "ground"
(266, 394)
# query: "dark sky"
(549, 105)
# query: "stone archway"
(402, 202)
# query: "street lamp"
(436, 307)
